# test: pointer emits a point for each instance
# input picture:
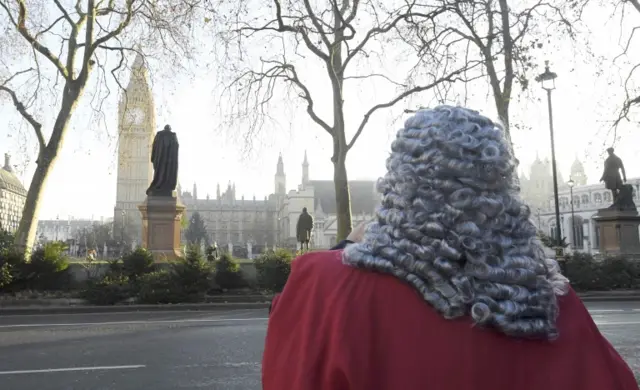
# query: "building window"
(585, 199)
(607, 196)
(597, 198)
(578, 233)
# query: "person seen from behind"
(448, 288)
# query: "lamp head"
(548, 78)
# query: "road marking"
(617, 323)
(614, 311)
(71, 369)
(141, 322)
(173, 312)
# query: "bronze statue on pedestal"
(622, 193)
(164, 157)
(303, 229)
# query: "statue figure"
(624, 201)
(611, 175)
(164, 157)
(303, 229)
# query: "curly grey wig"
(453, 226)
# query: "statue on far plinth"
(164, 157)
(303, 229)
(622, 193)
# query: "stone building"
(318, 196)
(243, 226)
(537, 186)
(62, 229)
(582, 235)
(247, 226)
(136, 130)
(12, 197)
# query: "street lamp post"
(547, 80)
(571, 183)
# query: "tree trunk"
(26, 234)
(502, 106)
(343, 197)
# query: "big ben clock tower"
(136, 129)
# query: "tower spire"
(305, 170)
(280, 167)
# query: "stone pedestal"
(161, 217)
(618, 231)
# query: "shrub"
(48, 269)
(6, 240)
(10, 261)
(620, 273)
(228, 273)
(160, 287)
(136, 264)
(273, 268)
(6, 276)
(106, 291)
(193, 273)
(613, 273)
(186, 280)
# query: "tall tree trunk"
(339, 158)
(26, 234)
(343, 197)
(502, 106)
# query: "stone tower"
(136, 130)
(280, 178)
(578, 174)
(305, 170)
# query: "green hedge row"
(613, 273)
(186, 280)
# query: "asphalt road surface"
(180, 350)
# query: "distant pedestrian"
(448, 288)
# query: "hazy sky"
(83, 181)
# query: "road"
(180, 350)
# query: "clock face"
(136, 116)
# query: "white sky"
(83, 181)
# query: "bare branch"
(37, 126)
(20, 24)
(65, 14)
(451, 78)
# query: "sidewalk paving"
(213, 303)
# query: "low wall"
(82, 270)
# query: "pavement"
(180, 349)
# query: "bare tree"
(67, 43)
(502, 34)
(334, 35)
(629, 9)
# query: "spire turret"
(7, 163)
(280, 167)
(305, 170)
(280, 178)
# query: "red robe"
(339, 328)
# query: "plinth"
(618, 231)
(161, 217)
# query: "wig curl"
(452, 226)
